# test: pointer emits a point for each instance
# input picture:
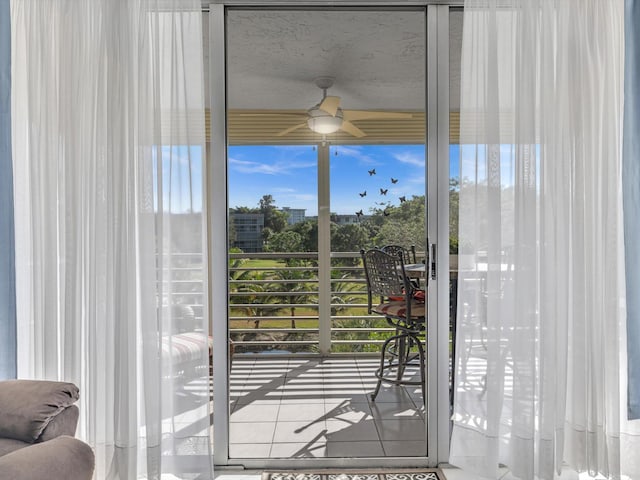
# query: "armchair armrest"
(64, 423)
(27, 407)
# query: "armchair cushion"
(63, 458)
(8, 445)
(28, 406)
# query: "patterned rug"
(398, 474)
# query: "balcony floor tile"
(303, 408)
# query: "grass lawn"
(273, 324)
(263, 263)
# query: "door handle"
(432, 257)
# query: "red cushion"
(399, 309)
(418, 295)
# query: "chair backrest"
(385, 275)
(408, 255)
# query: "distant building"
(345, 219)
(295, 215)
(248, 228)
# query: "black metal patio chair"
(391, 294)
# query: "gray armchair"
(37, 422)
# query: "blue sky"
(289, 174)
(181, 180)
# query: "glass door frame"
(437, 165)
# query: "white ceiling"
(377, 58)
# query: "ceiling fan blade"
(351, 129)
(291, 129)
(353, 115)
(275, 114)
(330, 105)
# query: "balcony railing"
(273, 303)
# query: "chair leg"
(380, 370)
(421, 355)
(403, 355)
(403, 342)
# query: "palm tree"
(297, 289)
(345, 294)
(243, 290)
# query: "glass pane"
(355, 80)
(378, 199)
(273, 248)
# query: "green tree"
(267, 233)
(454, 212)
(308, 231)
(297, 289)
(349, 238)
(345, 293)
(287, 241)
(274, 219)
(243, 210)
(403, 225)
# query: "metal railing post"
(324, 250)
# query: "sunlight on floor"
(303, 408)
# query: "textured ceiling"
(377, 58)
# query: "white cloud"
(277, 168)
(356, 152)
(284, 190)
(294, 149)
(410, 158)
(245, 166)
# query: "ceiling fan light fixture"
(322, 122)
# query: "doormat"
(366, 474)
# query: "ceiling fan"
(327, 116)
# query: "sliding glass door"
(302, 199)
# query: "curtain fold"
(541, 352)
(108, 114)
(631, 195)
(7, 238)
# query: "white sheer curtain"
(541, 340)
(108, 116)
